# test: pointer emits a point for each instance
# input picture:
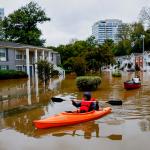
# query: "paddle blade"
(57, 99)
(115, 137)
(114, 102)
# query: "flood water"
(126, 128)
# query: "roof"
(148, 52)
(21, 46)
(137, 54)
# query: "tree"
(91, 41)
(87, 53)
(144, 15)
(45, 70)
(123, 48)
(1, 31)
(100, 56)
(124, 31)
(147, 40)
(137, 32)
(21, 25)
(79, 66)
(76, 64)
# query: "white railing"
(59, 69)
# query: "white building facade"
(106, 29)
(1, 13)
(141, 59)
(22, 57)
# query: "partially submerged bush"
(88, 83)
(12, 74)
(116, 74)
(45, 70)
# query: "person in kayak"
(136, 79)
(88, 103)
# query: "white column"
(35, 61)
(49, 56)
(29, 91)
(36, 77)
(43, 57)
(27, 62)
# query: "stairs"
(60, 70)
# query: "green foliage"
(99, 57)
(116, 74)
(76, 64)
(85, 54)
(12, 74)
(45, 70)
(91, 41)
(124, 32)
(88, 83)
(79, 66)
(123, 48)
(131, 40)
(1, 31)
(147, 40)
(21, 25)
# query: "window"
(18, 55)
(2, 54)
(24, 57)
(3, 67)
(19, 68)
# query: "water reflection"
(85, 129)
(21, 102)
(145, 125)
(23, 124)
(29, 91)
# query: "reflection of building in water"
(145, 124)
(11, 89)
(1, 122)
(18, 93)
(22, 122)
(55, 83)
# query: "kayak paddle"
(111, 102)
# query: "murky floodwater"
(126, 128)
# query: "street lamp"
(143, 36)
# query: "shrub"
(116, 74)
(12, 74)
(55, 73)
(45, 70)
(88, 83)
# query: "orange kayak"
(70, 118)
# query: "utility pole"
(143, 36)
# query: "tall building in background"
(1, 13)
(106, 29)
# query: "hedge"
(116, 74)
(12, 74)
(88, 83)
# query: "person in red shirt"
(87, 104)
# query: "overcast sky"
(73, 19)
